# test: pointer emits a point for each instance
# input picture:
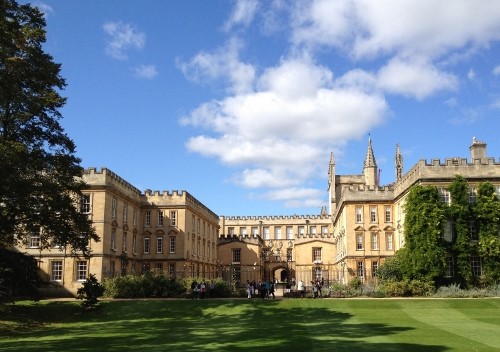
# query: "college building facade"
(176, 234)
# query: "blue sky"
(241, 102)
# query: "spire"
(370, 169)
(399, 163)
(370, 157)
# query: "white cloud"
(496, 70)
(121, 37)
(223, 64)
(294, 197)
(243, 13)
(297, 112)
(146, 71)
(414, 78)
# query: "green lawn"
(254, 325)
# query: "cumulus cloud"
(146, 71)
(272, 132)
(122, 37)
(243, 14)
(223, 64)
(414, 78)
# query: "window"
(236, 255)
(134, 217)
(171, 247)
(173, 218)
(301, 230)
(255, 231)
(359, 241)
(474, 235)
(147, 219)
(35, 240)
(134, 243)
(171, 270)
(312, 230)
(448, 231)
(158, 267)
(125, 213)
(289, 254)
(359, 214)
(444, 194)
(267, 235)
(360, 269)
(374, 268)
(277, 232)
(146, 245)
(472, 195)
(159, 244)
(388, 213)
(230, 231)
(389, 240)
(449, 267)
(475, 263)
(113, 239)
(374, 241)
(324, 230)
(56, 270)
(113, 208)
(81, 270)
(124, 243)
(289, 232)
(85, 204)
(160, 217)
(317, 255)
(373, 214)
(243, 231)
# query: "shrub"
(421, 288)
(90, 291)
(396, 288)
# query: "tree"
(461, 213)
(487, 211)
(39, 172)
(90, 292)
(424, 254)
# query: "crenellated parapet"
(107, 178)
(277, 217)
(437, 169)
(177, 198)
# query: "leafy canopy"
(39, 172)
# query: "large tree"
(487, 211)
(425, 248)
(40, 176)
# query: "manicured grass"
(254, 325)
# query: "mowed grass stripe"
(456, 322)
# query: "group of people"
(262, 289)
(317, 286)
(200, 289)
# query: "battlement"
(105, 177)
(477, 168)
(277, 217)
(177, 198)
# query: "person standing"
(301, 288)
(271, 289)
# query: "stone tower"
(370, 169)
(477, 150)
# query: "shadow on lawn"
(237, 325)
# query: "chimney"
(477, 150)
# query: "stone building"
(176, 234)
